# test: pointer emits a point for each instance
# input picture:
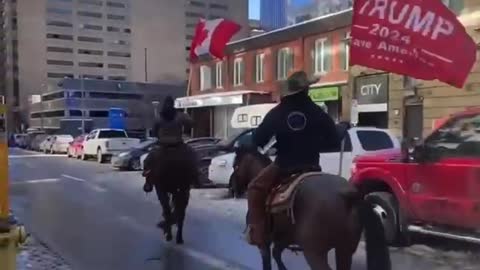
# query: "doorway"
(373, 119)
(413, 117)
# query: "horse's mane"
(241, 151)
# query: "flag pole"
(189, 85)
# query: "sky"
(254, 9)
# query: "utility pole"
(82, 104)
(146, 66)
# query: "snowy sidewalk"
(36, 256)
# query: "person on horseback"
(302, 130)
(171, 167)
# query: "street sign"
(354, 113)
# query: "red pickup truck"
(429, 186)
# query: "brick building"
(255, 69)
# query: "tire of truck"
(100, 158)
(386, 207)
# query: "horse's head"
(247, 164)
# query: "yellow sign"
(4, 206)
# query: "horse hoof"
(168, 237)
(180, 241)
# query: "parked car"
(130, 160)
(60, 143)
(75, 147)
(430, 186)
(103, 143)
(358, 141)
(46, 144)
(202, 141)
(34, 139)
(20, 140)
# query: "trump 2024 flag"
(211, 37)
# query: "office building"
(116, 40)
(304, 10)
(273, 14)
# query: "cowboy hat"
(297, 82)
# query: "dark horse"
(326, 213)
(171, 170)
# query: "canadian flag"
(211, 37)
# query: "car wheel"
(386, 207)
(135, 164)
(99, 156)
(83, 156)
(51, 151)
(69, 155)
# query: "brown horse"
(326, 213)
(172, 171)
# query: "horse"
(325, 212)
(171, 171)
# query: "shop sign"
(371, 91)
(212, 101)
(324, 94)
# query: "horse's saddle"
(281, 198)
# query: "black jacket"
(302, 130)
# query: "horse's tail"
(378, 255)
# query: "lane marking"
(97, 188)
(73, 178)
(37, 181)
(34, 156)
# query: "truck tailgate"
(122, 143)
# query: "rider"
(302, 129)
(169, 132)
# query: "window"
(259, 64)
(218, 6)
(255, 120)
(113, 95)
(54, 113)
(58, 36)
(284, 63)
(100, 114)
(127, 30)
(323, 53)
(119, 54)
(75, 113)
(59, 49)
(238, 71)
(214, 17)
(91, 27)
(89, 14)
(90, 39)
(59, 11)
(242, 118)
(193, 14)
(92, 77)
(59, 23)
(219, 74)
(117, 66)
(345, 52)
(205, 78)
(112, 133)
(113, 29)
(455, 5)
(53, 96)
(59, 62)
(91, 52)
(374, 140)
(53, 75)
(460, 137)
(196, 4)
(91, 2)
(116, 17)
(116, 5)
(117, 78)
(90, 64)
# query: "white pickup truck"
(104, 143)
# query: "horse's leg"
(317, 260)
(343, 259)
(180, 200)
(166, 225)
(266, 258)
(277, 255)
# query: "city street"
(97, 218)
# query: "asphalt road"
(97, 218)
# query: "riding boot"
(257, 195)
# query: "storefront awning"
(214, 99)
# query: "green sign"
(324, 94)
